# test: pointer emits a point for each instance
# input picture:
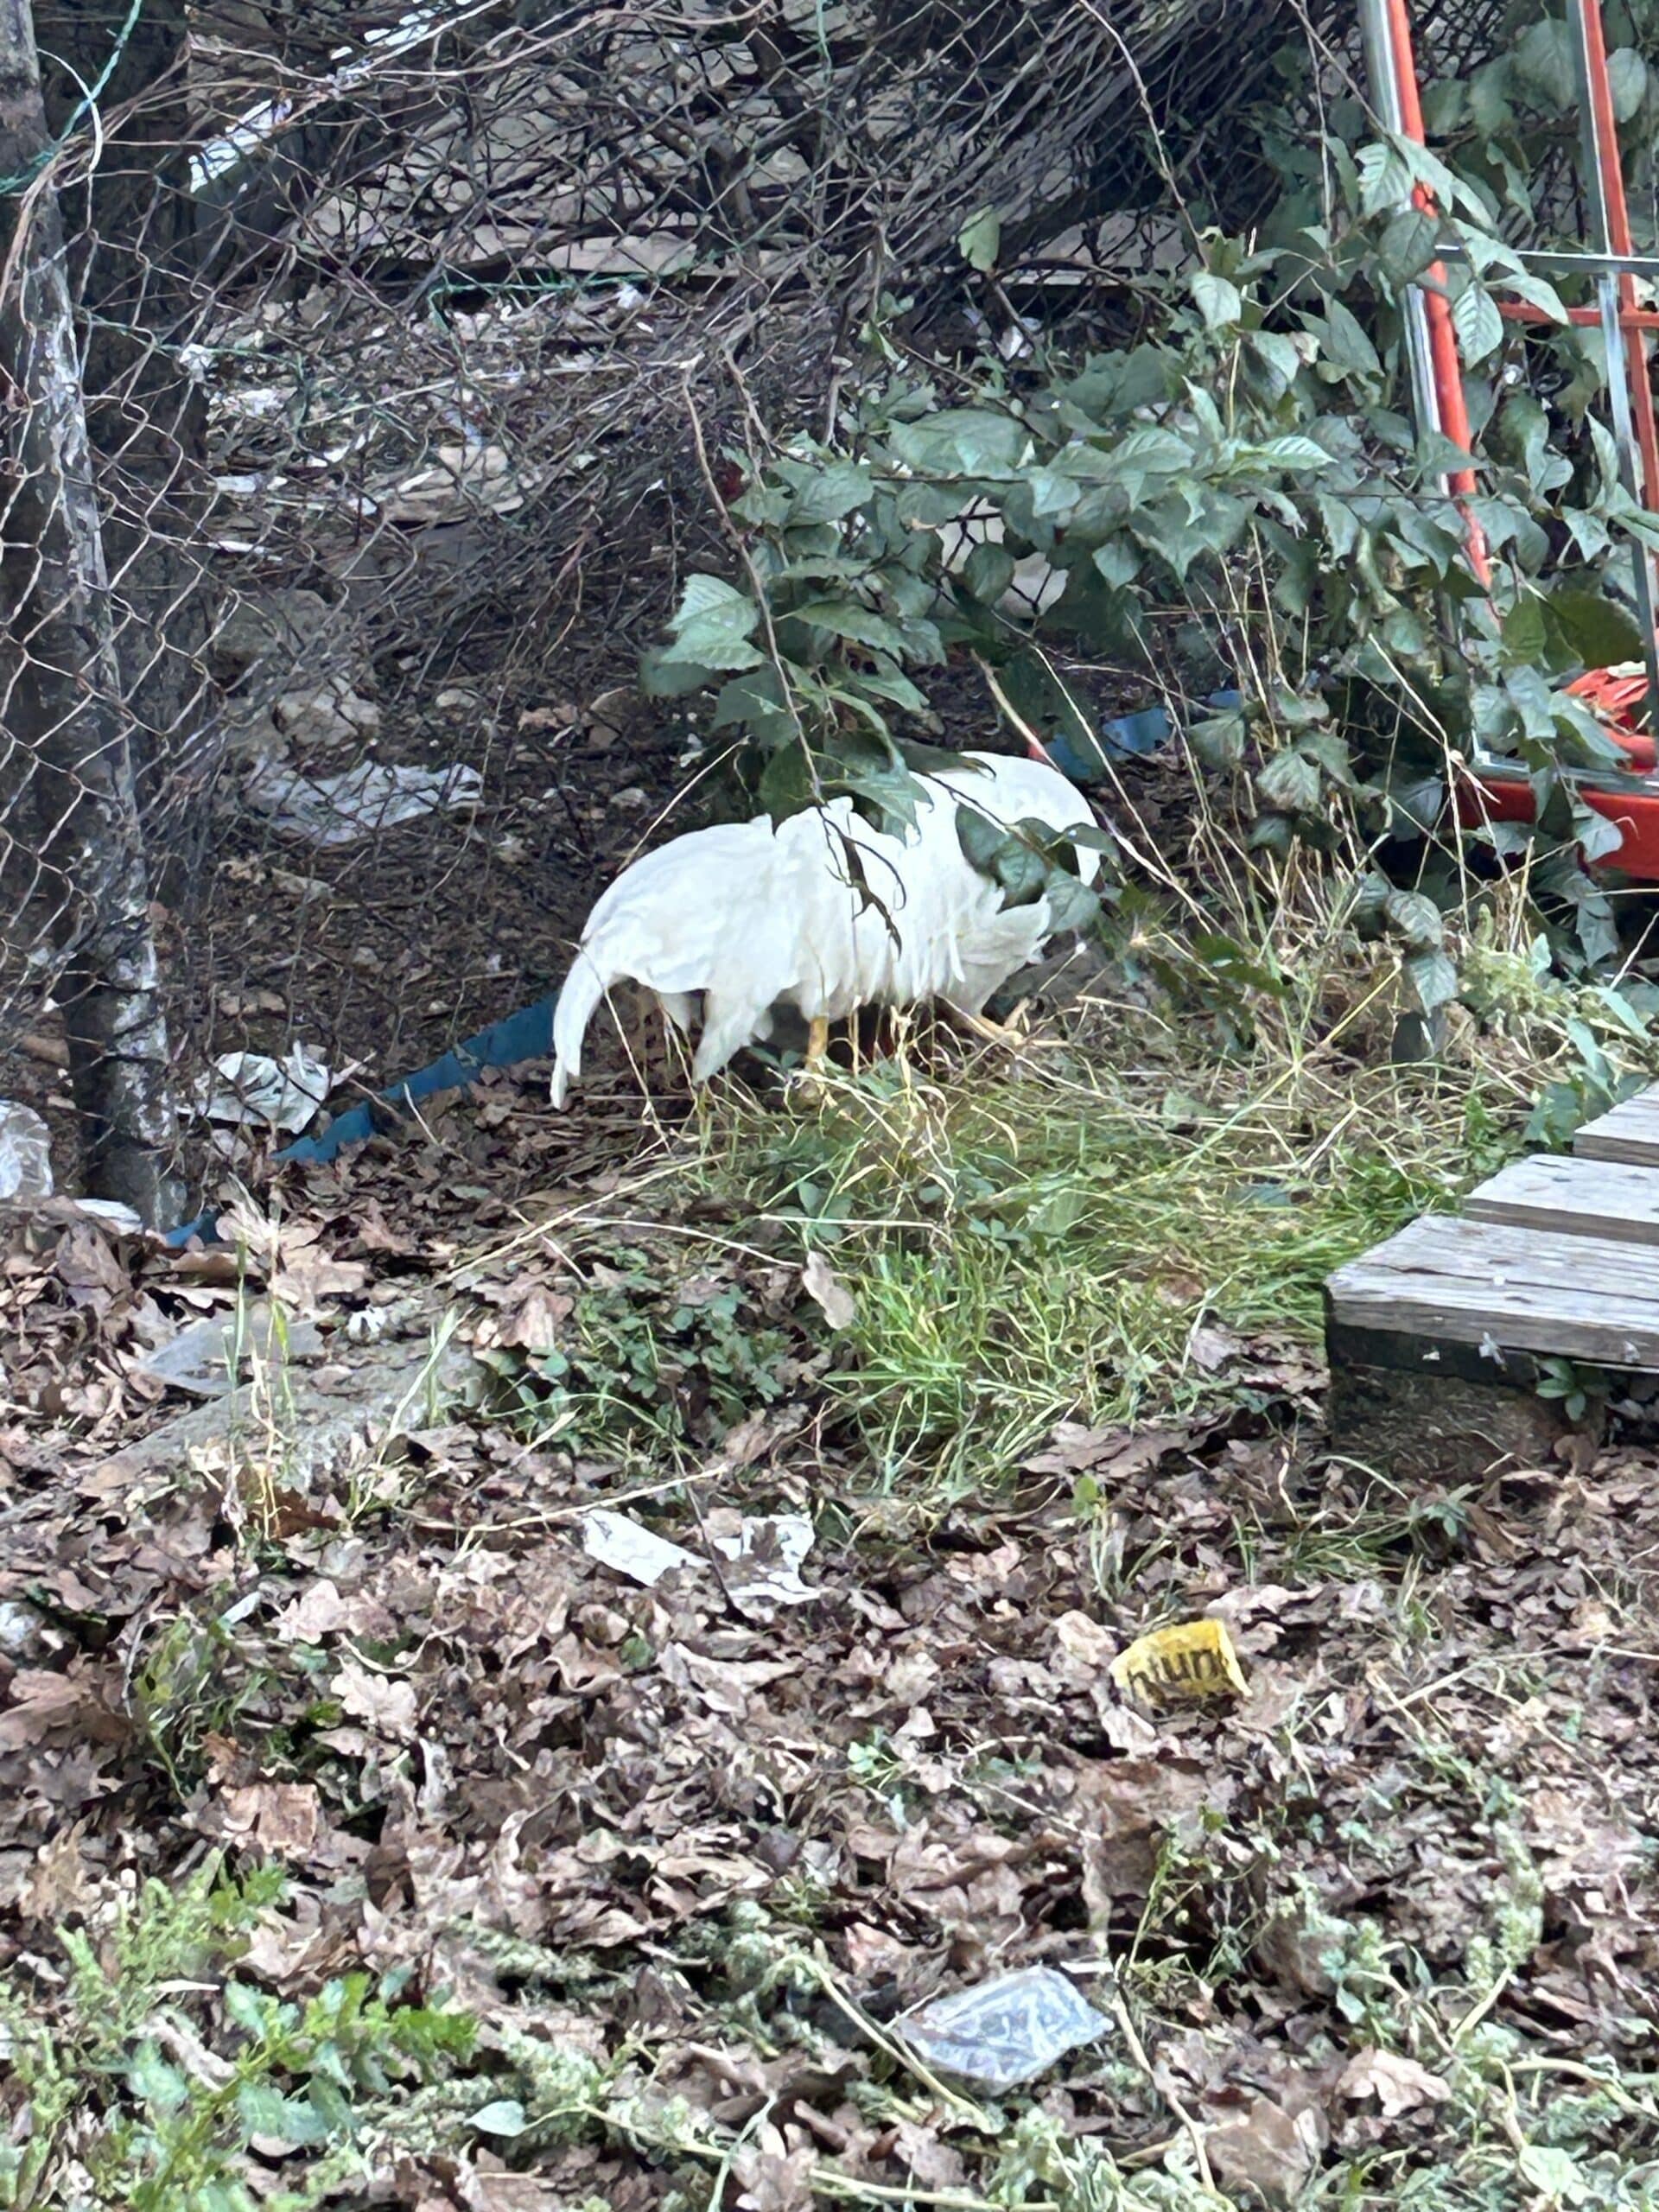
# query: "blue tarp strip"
(522, 1036)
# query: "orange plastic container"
(1615, 696)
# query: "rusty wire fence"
(352, 358)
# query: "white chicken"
(746, 916)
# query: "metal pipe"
(1629, 318)
(1448, 373)
(1629, 392)
(1385, 97)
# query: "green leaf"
(264, 2110)
(1072, 906)
(713, 623)
(963, 440)
(1627, 74)
(1416, 920)
(1597, 633)
(888, 683)
(1219, 740)
(980, 837)
(989, 573)
(1407, 245)
(1289, 782)
(1525, 632)
(153, 2081)
(664, 676)
(1488, 98)
(1052, 492)
(1292, 452)
(1537, 293)
(506, 2116)
(979, 239)
(1479, 325)
(1434, 980)
(786, 784)
(1278, 355)
(1118, 560)
(1543, 56)
(845, 618)
(834, 493)
(1346, 345)
(1384, 179)
(1225, 956)
(1220, 303)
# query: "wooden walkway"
(1436, 1337)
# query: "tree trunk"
(133, 259)
(60, 680)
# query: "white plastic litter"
(1003, 2032)
(767, 1551)
(762, 1555)
(251, 1087)
(112, 1211)
(25, 1153)
(623, 1545)
(373, 796)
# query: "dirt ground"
(1380, 1932)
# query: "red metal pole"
(1618, 228)
(1442, 339)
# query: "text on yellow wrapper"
(1181, 1665)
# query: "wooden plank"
(1568, 1197)
(1476, 1282)
(1628, 1134)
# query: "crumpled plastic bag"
(1004, 2031)
(251, 1087)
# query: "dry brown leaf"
(1085, 1641)
(1264, 2149)
(1399, 2084)
(385, 1704)
(829, 1292)
(1074, 1450)
(282, 1817)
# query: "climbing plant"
(1240, 488)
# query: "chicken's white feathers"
(748, 916)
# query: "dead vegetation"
(367, 1840)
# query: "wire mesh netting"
(364, 367)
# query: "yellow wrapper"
(1184, 1665)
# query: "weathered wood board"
(1435, 1338)
(1569, 1196)
(1477, 1282)
(1629, 1132)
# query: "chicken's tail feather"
(581, 993)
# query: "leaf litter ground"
(1380, 1934)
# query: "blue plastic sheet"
(522, 1036)
(1128, 737)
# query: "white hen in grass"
(746, 917)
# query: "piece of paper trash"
(629, 1548)
(766, 1552)
(761, 1555)
(373, 796)
(1184, 1664)
(247, 1087)
(1004, 2031)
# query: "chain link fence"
(350, 359)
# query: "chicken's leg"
(817, 1043)
(975, 1025)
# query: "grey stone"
(313, 1420)
(331, 717)
(268, 626)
